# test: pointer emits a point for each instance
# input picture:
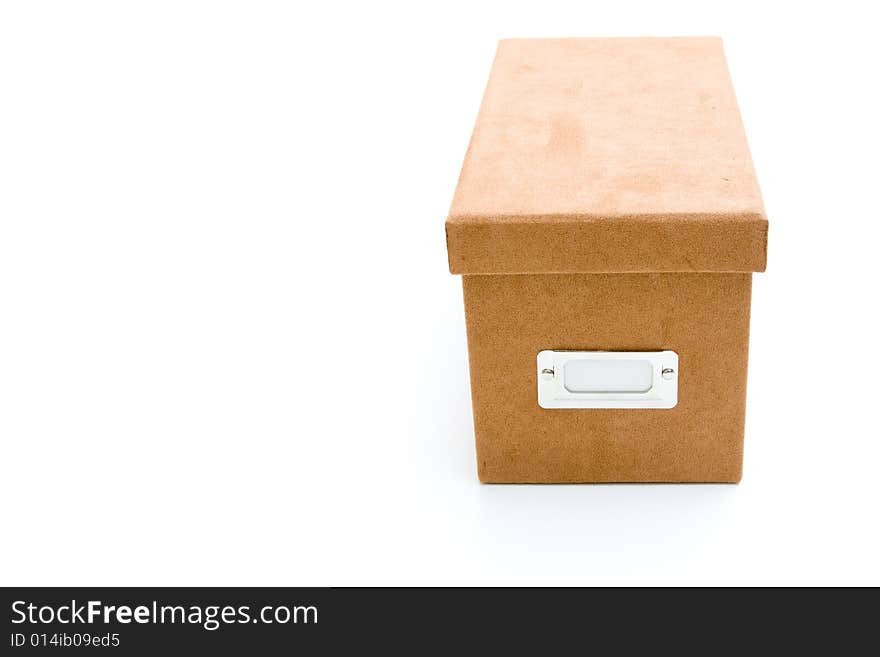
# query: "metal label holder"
(607, 379)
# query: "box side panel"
(702, 317)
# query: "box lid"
(608, 155)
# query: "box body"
(608, 202)
(704, 317)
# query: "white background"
(231, 351)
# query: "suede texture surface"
(605, 155)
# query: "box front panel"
(703, 317)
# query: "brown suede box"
(608, 202)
